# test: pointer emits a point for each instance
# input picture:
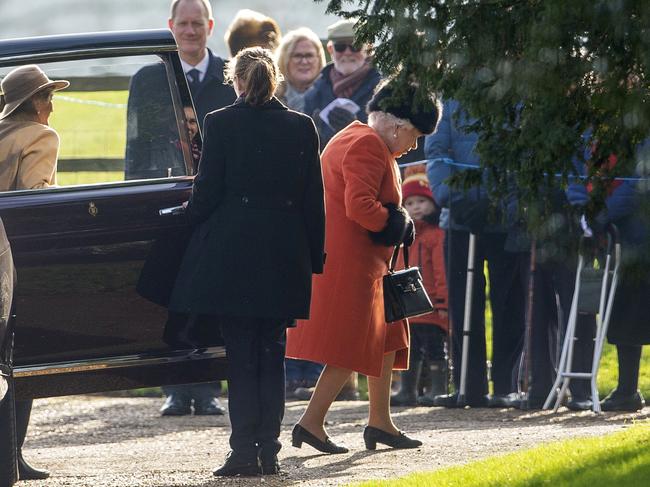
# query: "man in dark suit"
(152, 149)
(152, 153)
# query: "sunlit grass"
(621, 459)
(90, 124)
(69, 178)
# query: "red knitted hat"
(416, 185)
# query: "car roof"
(67, 46)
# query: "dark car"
(94, 256)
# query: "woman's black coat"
(258, 210)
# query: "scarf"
(343, 85)
(294, 99)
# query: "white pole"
(467, 319)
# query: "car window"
(116, 121)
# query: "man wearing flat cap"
(349, 77)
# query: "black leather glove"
(472, 214)
(395, 229)
(339, 118)
(409, 234)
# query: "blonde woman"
(301, 58)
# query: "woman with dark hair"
(365, 220)
(29, 149)
(258, 211)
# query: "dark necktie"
(193, 79)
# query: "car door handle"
(173, 210)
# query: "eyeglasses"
(342, 46)
(307, 57)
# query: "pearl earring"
(395, 134)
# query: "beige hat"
(23, 82)
(343, 29)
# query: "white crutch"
(468, 319)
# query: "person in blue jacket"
(627, 207)
(448, 150)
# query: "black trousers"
(507, 301)
(192, 331)
(255, 350)
(427, 342)
(552, 295)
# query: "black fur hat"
(423, 116)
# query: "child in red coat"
(428, 332)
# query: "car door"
(80, 248)
(78, 256)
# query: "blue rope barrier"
(451, 162)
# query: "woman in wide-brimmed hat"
(28, 154)
(29, 147)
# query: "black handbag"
(404, 294)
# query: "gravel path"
(101, 441)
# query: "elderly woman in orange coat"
(347, 330)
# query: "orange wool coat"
(347, 327)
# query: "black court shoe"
(300, 435)
(372, 436)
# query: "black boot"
(25, 470)
(407, 395)
(617, 401)
(438, 381)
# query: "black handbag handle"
(393, 259)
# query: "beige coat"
(28, 155)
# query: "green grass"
(608, 373)
(90, 124)
(88, 177)
(621, 459)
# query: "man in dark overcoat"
(149, 152)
